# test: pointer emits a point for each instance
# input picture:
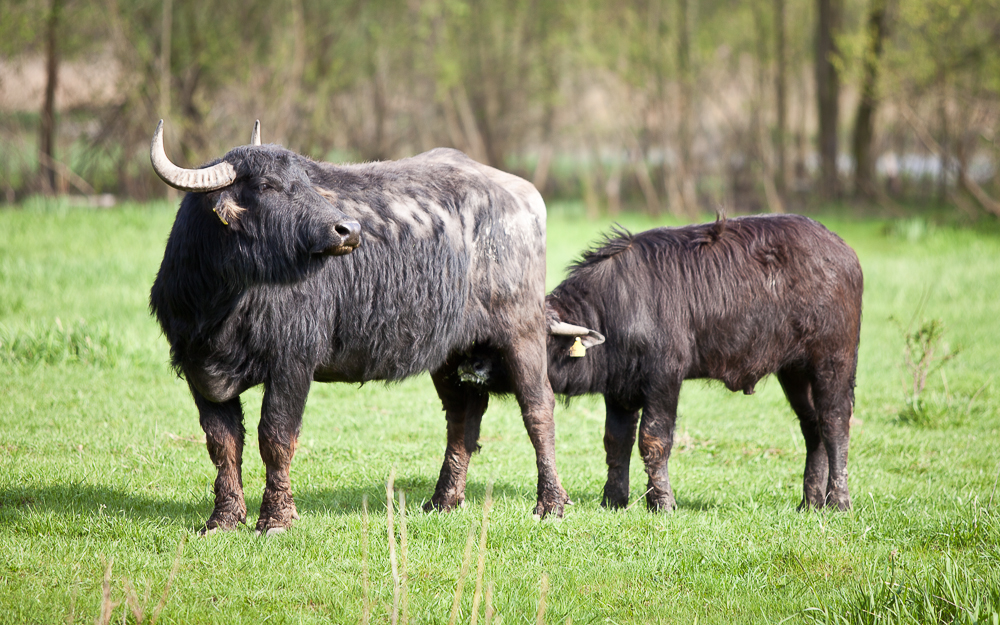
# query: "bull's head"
(264, 192)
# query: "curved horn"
(255, 137)
(562, 328)
(208, 179)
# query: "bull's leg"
(619, 438)
(834, 404)
(224, 432)
(464, 408)
(798, 389)
(278, 434)
(656, 438)
(526, 362)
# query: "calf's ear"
(558, 327)
(593, 338)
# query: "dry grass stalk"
(170, 580)
(481, 564)
(540, 617)
(489, 604)
(391, 532)
(133, 603)
(403, 576)
(366, 607)
(462, 573)
(107, 607)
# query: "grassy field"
(104, 477)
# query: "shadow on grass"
(19, 505)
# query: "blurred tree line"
(668, 105)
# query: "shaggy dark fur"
(452, 255)
(730, 301)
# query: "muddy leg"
(526, 362)
(278, 434)
(224, 432)
(619, 438)
(798, 390)
(656, 438)
(464, 408)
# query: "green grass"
(101, 458)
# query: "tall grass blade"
(366, 607)
(481, 564)
(542, 595)
(457, 601)
(489, 604)
(162, 603)
(107, 607)
(403, 575)
(391, 531)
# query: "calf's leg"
(224, 433)
(619, 438)
(278, 434)
(798, 389)
(832, 394)
(464, 408)
(656, 438)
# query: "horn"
(208, 179)
(255, 137)
(562, 328)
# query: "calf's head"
(264, 201)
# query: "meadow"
(104, 476)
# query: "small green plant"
(924, 352)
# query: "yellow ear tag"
(219, 215)
(577, 350)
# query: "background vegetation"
(104, 473)
(668, 106)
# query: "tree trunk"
(827, 93)
(685, 109)
(781, 99)
(864, 121)
(47, 139)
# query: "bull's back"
(452, 252)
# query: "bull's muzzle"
(348, 235)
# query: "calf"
(732, 301)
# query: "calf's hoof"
(660, 502)
(614, 503)
(838, 501)
(552, 502)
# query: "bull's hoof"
(223, 521)
(444, 504)
(277, 511)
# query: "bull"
(733, 301)
(280, 271)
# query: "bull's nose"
(351, 233)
